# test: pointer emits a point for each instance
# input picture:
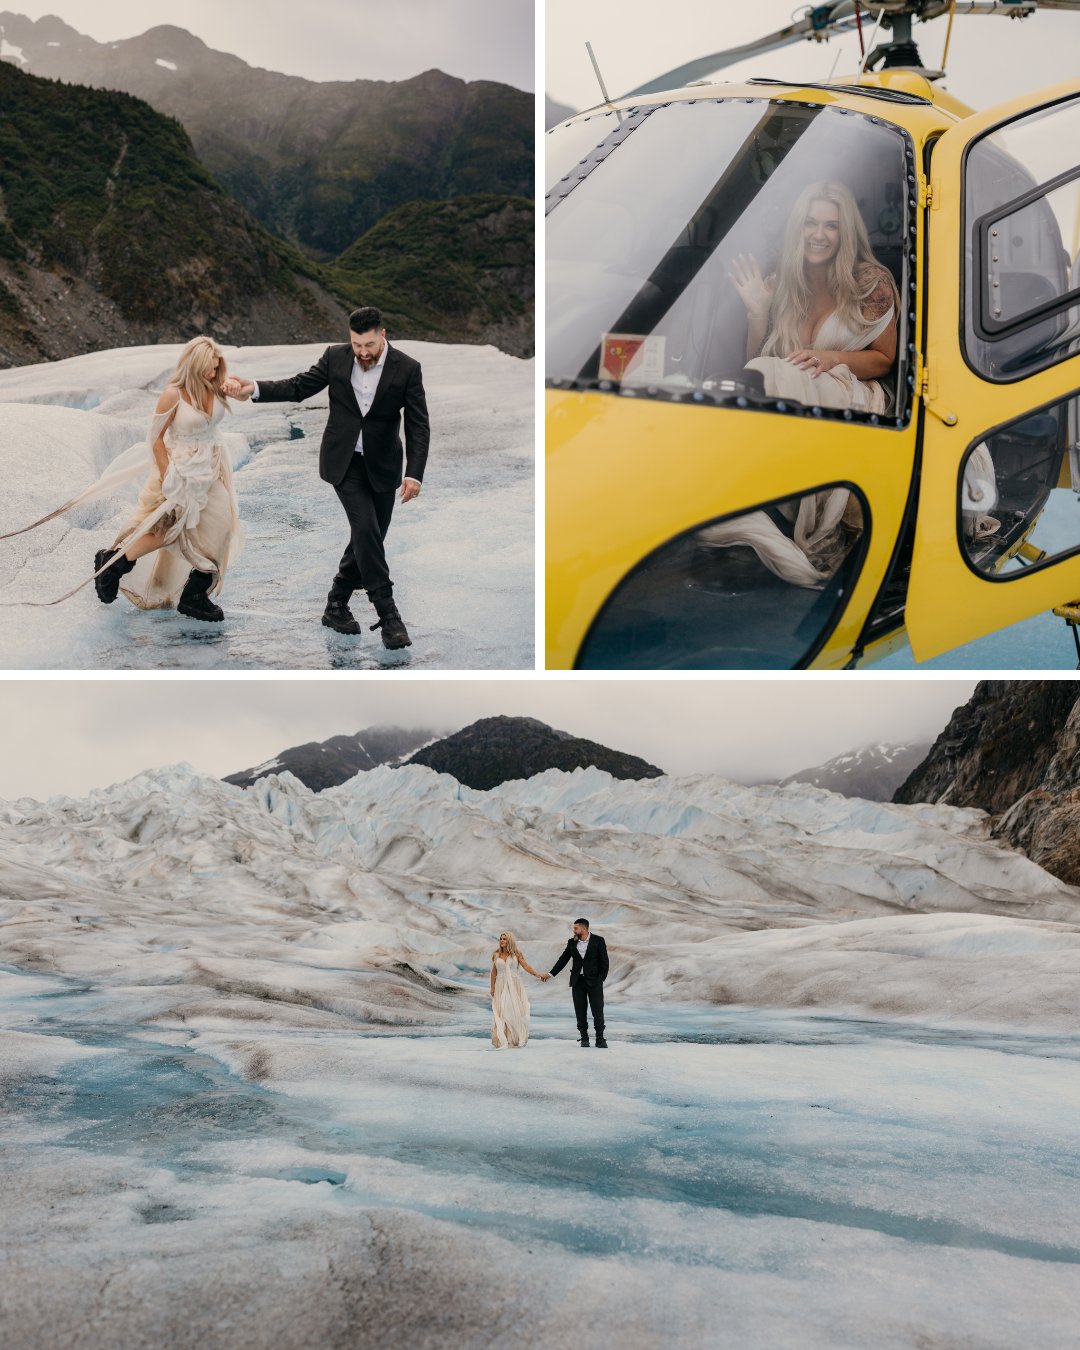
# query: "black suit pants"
(363, 564)
(588, 996)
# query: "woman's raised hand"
(754, 290)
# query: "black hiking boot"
(584, 1042)
(195, 601)
(601, 1044)
(394, 632)
(107, 584)
(338, 616)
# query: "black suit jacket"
(593, 970)
(400, 389)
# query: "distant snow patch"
(169, 65)
(16, 53)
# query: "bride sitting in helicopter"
(822, 329)
(822, 332)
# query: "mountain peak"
(499, 749)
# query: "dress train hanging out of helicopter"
(710, 509)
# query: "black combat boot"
(394, 632)
(195, 601)
(339, 616)
(107, 584)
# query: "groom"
(587, 952)
(371, 384)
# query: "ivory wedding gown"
(509, 1006)
(194, 507)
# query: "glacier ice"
(247, 1083)
(462, 555)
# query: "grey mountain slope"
(873, 772)
(324, 764)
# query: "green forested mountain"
(316, 163)
(459, 271)
(112, 232)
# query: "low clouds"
(68, 736)
(332, 39)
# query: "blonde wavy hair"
(512, 947)
(191, 367)
(854, 273)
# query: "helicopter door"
(997, 537)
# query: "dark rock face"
(323, 764)
(112, 233)
(498, 749)
(1014, 751)
(873, 772)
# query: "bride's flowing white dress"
(194, 507)
(825, 524)
(509, 1006)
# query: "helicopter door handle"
(927, 386)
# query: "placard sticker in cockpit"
(632, 358)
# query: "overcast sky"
(67, 736)
(991, 58)
(330, 39)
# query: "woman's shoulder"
(170, 397)
(878, 289)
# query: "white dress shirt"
(364, 383)
(581, 946)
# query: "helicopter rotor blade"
(824, 21)
(805, 28)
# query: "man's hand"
(237, 388)
(545, 976)
(410, 488)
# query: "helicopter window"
(761, 590)
(640, 295)
(1022, 213)
(1017, 507)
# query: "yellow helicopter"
(718, 500)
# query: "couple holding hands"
(587, 953)
(186, 528)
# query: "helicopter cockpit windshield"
(646, 228)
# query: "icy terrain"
(461, 555)
(250, 1097)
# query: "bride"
(509, 1002)
(177, 544)
(821, 331)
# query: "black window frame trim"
(1044, 564)
(986, 326)
(962, 308)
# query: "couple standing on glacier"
(186, 528)
(587, 953)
